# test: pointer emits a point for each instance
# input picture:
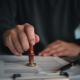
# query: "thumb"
(37, 38)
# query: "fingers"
(16, 43)
(29, 29)
(23, 40)
(32, 37)
(60, 48)
(62, 53)
(26, 35)
(10, 45)
(51, 49)
(37, 39)
(56, 47)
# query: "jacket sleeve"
(77, 41)
(7, 20)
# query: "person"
(49, 23)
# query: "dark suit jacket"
(52, 19)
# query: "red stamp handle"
(31, 53)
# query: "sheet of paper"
(45, 67)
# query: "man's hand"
(61, 48)
(19, 38)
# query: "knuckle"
(12, 31)
(18, 27)
(63, 42)
(58, 41)
(28, 26)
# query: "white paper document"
(45, 67)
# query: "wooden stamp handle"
(31, 53)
